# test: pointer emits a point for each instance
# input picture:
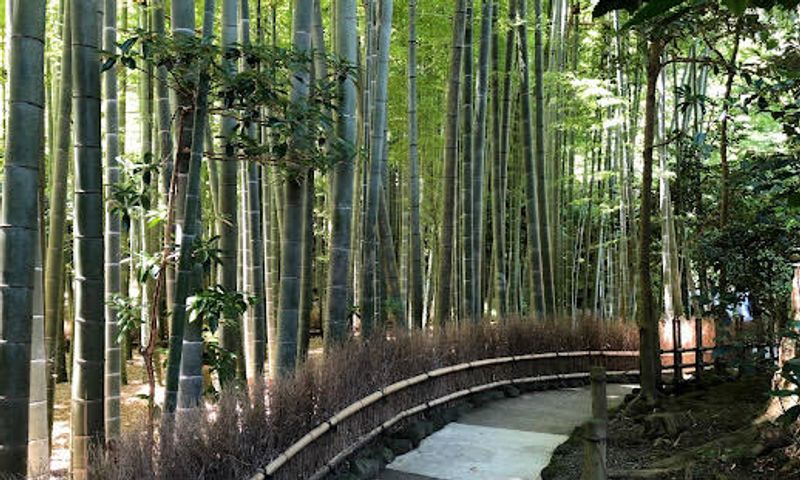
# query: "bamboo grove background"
(422, 163)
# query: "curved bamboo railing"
(303, 458)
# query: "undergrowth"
(241, 431)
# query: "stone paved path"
(509, 439)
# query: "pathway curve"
(508, 439)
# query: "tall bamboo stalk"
(228, 208)
(370, 300)
(467, 177)
(54, 257)
(337, 306)
(500, 164)
(112, 230)
(479, 147)
(445, 270)
(190, 365)
(416, 286)
(183, 16)
(38, 428)
(534, 173)
(256, 313)
(291, 236)
(87, 367)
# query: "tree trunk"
(646, 315)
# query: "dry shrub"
(240, 435)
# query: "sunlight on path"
(510, 439)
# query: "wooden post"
(594, 451)
(677, 354)
(594, 443)
(599, 399)
(698, 343)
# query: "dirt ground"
(709, 430)
(133, 408)
(134, 413)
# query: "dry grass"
(238, 435)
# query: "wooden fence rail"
(322, 449)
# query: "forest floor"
(710, 430)
(134, 396)
(134, 412)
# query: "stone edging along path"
(504, 433)
(510, 367)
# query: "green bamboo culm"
(502, 134)
(113, 356)
(230, 336)
(445, 267)
(54, 256)
(87, 414)
(370, 302)
(534, 181)
(337, 312)
(256, 313)
(38, 431)
(190, 232)
(164, 115)
(191, 362)
(479, 148)
(183, 25)
(291, 235)
(18, 231)
(465, 179)
(416, 285)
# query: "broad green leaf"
(651, 10)
(737, 7)
(784, 393)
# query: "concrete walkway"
(509, 439)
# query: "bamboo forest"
(400, 239)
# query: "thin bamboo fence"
(322, 449)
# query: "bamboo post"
(599, 398)
(594, 451)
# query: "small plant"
(213, 307)
(129, 315)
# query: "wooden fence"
(321, 450)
